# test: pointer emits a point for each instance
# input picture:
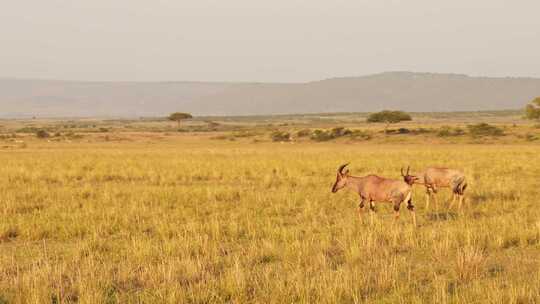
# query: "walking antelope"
(433, 178)
(373, 188)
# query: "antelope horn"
(340, 170)
(408, 169)
(402, 172)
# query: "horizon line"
(455, 74)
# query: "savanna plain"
(137, 212)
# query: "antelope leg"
(396, 211)
(453, 201)
(396, 215)
(413, 214)
(436, 202)
(360, 208)
(460, 201)
(427, 200)
(371, 211)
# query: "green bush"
(532, 110)
(321, 135)
(484, 129)
(27, 130)
(397, 131)
(447, 131)
(361, 135)
(459, 131)
(407, 131)
(42, 134)
(280, 136)
(304, 133)
(339, 132)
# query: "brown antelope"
(433, 178)
(373, 188)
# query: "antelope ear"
(346, 172)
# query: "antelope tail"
(459, 185)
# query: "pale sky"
(277, 40)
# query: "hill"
(420, 92)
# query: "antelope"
(373, 188)
(433, 178)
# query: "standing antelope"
(373, 188)
(433, 178)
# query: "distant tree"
(389, 117)
(532, 111)
(179, 116)
(42, 134)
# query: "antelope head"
(341, 179)
(409, 179)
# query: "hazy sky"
(254, 40)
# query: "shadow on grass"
(441, 216)
(477, 198)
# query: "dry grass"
(201, 221)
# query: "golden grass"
(200, 221)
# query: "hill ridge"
(403, 90)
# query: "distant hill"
(419, 92)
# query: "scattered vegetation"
(532, 110)
(397, 131)
(212, 125)
(447, 131)
(361, 135)
(322, 135)
(281, 136)
(42, 134)
(244, 134)
(304, 133)
(484, 129)
(32, 130)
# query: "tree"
(179, 116)
(532, 111)
(42, 134)
(389, 117)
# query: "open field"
(161, 217)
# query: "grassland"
(157, 216)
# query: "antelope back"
(442, 176)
